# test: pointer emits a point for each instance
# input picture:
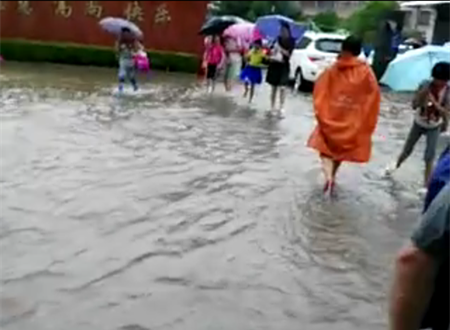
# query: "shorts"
(278, 74)
(211, 71)
(252, 75)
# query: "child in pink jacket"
(214, 57)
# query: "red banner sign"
(167, 25)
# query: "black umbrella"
(218, 24)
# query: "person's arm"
(289, 50)
(138, 46)
(223, 57)
(373, 100)
(417, 266)
(443, 110)
(412, 288)
(420, 96)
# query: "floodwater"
(171, 209)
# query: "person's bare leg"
(282, 98)
(273, 95)
(336, 165)
(209, 85)
(327, 168)
(252, 92)
(246, 89)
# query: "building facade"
(432, 21)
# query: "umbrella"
(115, 25)
(217, 25)
(245, 33)
(270, 26)
(406, 72)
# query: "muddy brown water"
(174, 210)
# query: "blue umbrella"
(407, 71)
(270, 26)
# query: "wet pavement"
(174, 210)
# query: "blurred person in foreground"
(419, 296)
(346, 103)
(432, 104)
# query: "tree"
(328, 21)
(365, 22)
(251, 10)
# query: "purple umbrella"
(114, 25)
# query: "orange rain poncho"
(346, 103)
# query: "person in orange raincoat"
(346, 103)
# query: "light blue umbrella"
(407, 71)
(269, 26)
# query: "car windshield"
(329, 45)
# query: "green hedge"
(34, 51)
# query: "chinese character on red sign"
(24, 7)
(93, 8)
(162, 14)
(63, 9)
(134, 12)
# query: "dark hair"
(441, 71)
(286, 26)
(352, 45)
(257, 42)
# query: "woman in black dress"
(278, 69)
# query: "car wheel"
(298, 80)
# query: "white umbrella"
(115, 25)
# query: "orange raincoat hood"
(346, 104)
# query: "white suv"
(313, 54)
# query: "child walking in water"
(214, 56)
(127, 46)
(252, 73)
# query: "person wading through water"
(346, 103)
(432, 105)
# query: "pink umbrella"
(244, 33)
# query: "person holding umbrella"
(127, 46)
(278, 67)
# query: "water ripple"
(172, 209)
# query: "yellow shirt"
(255, 57)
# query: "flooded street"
(174, 210)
